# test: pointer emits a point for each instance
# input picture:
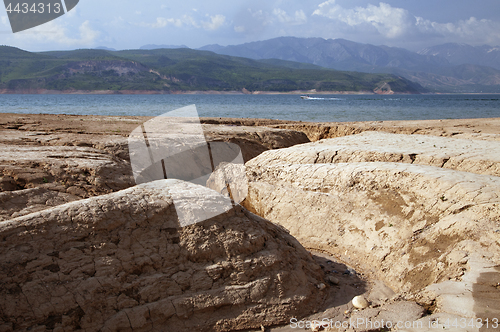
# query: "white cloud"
(73, 12)
(87, 35)
(399, 24)
(389, 21)
(117, 22)
(299, 17)
(215, 22)
(239, 28)
(56, 34)
(162, 22)
(470, 31)
(261, 16)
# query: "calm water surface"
(286, 107)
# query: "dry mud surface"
(72, 157)
(405, 213)
(121, 262)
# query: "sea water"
(287, 107)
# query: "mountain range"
(458, 54)
(442, 68)
(177, 70)
(279, 64)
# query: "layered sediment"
(474, 156)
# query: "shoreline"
(197, 92)
(213, 92)
(123, 125)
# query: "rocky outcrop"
(476, 156)
(484, 129)
(21, 202)
(122, 262)
(395, 219)
(74, 164)
(413, 226)
(393, 207)
(80, 171)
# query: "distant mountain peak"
(460, 54)
(434, 67)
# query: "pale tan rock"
(470, 300)
(476, 156)
(359, 302)
(397, 221)
(474, 228)
(121, 261)
(254, 140)
(391, 316)
(316, 326)
(380, 293)
(482, 128)
(89, 171)
(333, 280)
(18, 203)
(412, 226)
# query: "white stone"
(359, 302)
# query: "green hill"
(171, 70)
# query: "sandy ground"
(484, 128)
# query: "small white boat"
(305, 97)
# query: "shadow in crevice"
(349, 285)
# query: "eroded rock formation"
(475, 156)
(69, 164)
(120, 262)
(414, 226)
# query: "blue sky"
(127, 24)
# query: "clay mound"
(409, 225)
(476, 156)
(121, 262)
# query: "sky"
(127, 24)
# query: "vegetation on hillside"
(170, 70)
